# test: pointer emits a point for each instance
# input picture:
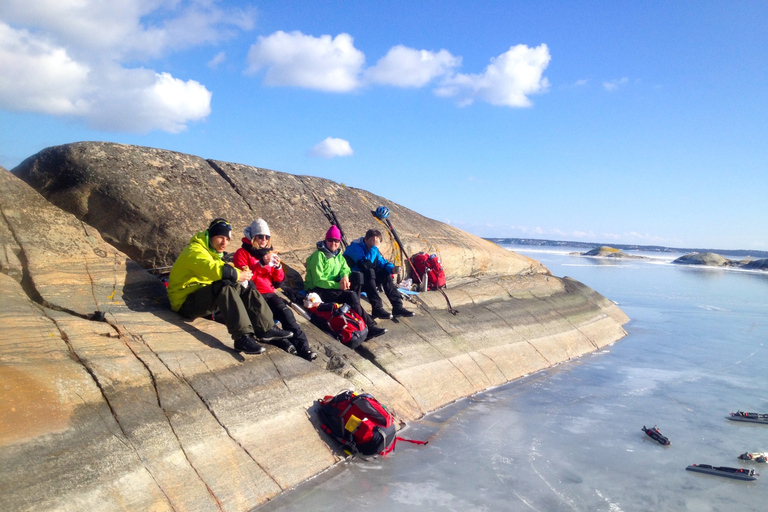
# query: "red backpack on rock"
(343, 323)
(429, 265)
(360, 423)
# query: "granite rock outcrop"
(148, 411)
(147, 202)
(607, 252)
(711, 259)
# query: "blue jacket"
(357, 252)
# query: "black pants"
(244, 310)
(373, 277)
(282, 312)
(344, 297)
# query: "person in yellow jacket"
(201, 282)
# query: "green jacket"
(198, 265)
(325, 269)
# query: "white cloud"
(322, 63)
(65, 58)
(507, 81)
(39, 77)
(119, 29)
(407, 67)
(218, 59)
(581, 83)
(333, 64)
(142, 99)
(331, 147)
(615, 84)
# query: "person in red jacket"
(258, 256)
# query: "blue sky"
(626, 122)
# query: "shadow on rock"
(146, 293)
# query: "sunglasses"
(333, 240)
(263, 237)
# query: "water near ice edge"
(569, 438)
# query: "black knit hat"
(220, 227)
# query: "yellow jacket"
(198, 265)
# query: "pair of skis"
(327, 209)
(385, 220)
(325, 206)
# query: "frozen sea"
(569, 438)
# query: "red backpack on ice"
(428, 267)
(360, 423)
(343, 323)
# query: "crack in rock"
(75, 357)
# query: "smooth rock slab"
(149, 411)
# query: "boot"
(309, 355)
(401, 311)
(381, 313)
(248, 345)
(285, 345)
(275, 334)
(374, 332)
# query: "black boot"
(374, 332)
(401, 311)
(381, 313)
(309, 355)
(285, 345)
(275, 334)
(248, 345)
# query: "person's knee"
(283, 308)
(226, 288)
(382, 275)
(352, 298)
(356, 278)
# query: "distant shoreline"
(624, 247)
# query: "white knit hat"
(257, 227)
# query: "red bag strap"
(398, 438)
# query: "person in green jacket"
(328, 275)
(201, 282)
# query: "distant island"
(712, 259)
(755, 260)
(625, 247)
(606, 251)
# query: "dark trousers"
(244, 310)
(373, 277)
(282, 312)
(345, 297)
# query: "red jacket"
(263, 277)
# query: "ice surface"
(569, 438)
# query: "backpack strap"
(398, 438)
(450, 308)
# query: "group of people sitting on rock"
(201, 283)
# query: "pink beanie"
(333, 232)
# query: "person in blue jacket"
(363, 256)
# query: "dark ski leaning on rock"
(657, 436)
(738, 474)
(382, 214)
(327, 210)
(749, 417)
